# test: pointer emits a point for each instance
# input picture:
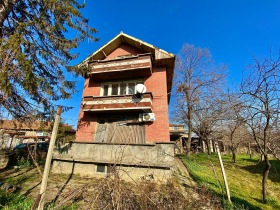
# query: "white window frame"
(119, 83)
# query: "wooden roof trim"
(109, 46)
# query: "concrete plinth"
(129, 161)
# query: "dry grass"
(75, 192)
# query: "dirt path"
(192, 191)
(183, 174)
(187, 184)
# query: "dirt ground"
(61, 189)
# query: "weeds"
(113, 193)
(12, 201)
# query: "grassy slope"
(244, 178)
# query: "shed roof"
(24, 125)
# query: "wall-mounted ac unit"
(145, 117)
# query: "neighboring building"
(177, 131)
(15, 132)
(178, 134)
(115, 115)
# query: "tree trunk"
(208, 146)
(213, 146)
(203, 145)
(181, 145)
(234, 156)
(265, 176)
(233, 152)
(250, 150)
(189, 117)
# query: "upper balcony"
(118, 103)
(126, 67)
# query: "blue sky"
(233, 30)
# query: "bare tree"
(235, 135)
(260, 90)
(195, 76)
(235, 131)
(208, 115)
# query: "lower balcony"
(118, 103)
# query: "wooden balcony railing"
(118, 103)
(135, 66)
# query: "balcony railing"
(135, 66)
(118, 103)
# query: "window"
(115, 89)
(123, 89)
(119, 88)
(101, 168)
(131, 88)
(105, 90)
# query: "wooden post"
(223, 171)
(48, 160)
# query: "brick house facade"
(118, 67)
(120, 129)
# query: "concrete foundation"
(129, 161)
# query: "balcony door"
(120, 131)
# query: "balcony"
(127, 67)
(127, 103)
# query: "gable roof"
(160, 57)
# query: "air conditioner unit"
(145, 117)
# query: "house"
(14, 132)
(178, 134)
(123, 118)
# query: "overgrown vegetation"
(244, 178)
(113, 193)
(14, 201)
(75, 192)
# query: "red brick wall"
(157, 131)
(86, 126)
(91, 88)
(87, 122)
(124, 49)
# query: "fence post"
(48, 161)
(223, 171)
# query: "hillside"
(244, 178)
